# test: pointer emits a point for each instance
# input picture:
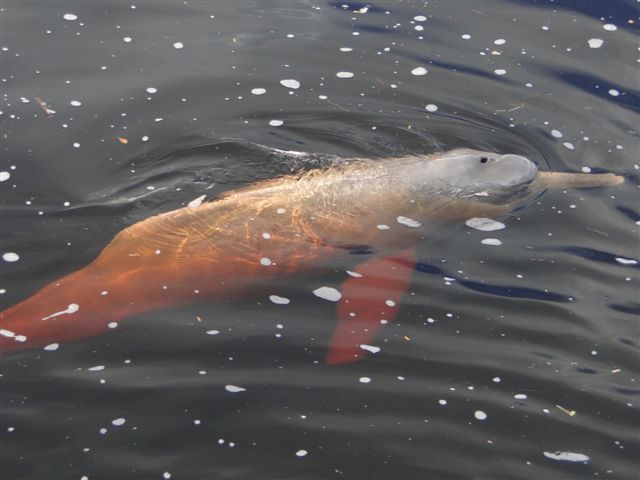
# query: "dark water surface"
(539, 334)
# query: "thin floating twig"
(45, 108)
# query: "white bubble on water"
(10, 257)
(370, 348)
(500, 71)
(70, 17)
(258, 91)
(344, 74)
(290, 83)
(278, 300)
(491, 241)
(276, 123)
(567, 456)
(484, 224)
(595, 42)
(364, 380)
(431, 108)
(4, 176)
(500, 41)
(419, 71)
(178, 45)
(328, 293)
(234, 389)
(480, 415)
(609, 27)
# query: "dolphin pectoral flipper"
(370, 298)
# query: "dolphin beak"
(577, 180)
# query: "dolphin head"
(491, 177)
(467, 173)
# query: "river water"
(509, 361)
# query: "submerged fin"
(370, 298)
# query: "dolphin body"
(225, 248)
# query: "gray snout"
(517, 170)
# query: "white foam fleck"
(328, 293)
(568, 145)
(72, 308)
(419, 71)
(10, 257)
(442, 402)
(609, 27)
(626, 261)
(266, 236)
(344, 74)
(178, 45)
(556, 133)
(499, 41)
(258, 91)
(364, 380)
(370, 348)
(595, 42)
(166, 475)
(7, 333)
(70, 17)
(265, 261)
(520, 396)
(127, 39)
(382, 227)
(354, 274)
(586, 169)
(279, 300)
(97, 368)
(301, 453)
(75, 103)
(409, 222)
(234, 389)
(466, 36)
(276, 123)
(195, 203)
(567, 456)
(20, 338)
(152, 90)
(112, 325)
(4, 176)
(491, 241)
(420, 18)
(500, 71)
(118, 422)
(280, 211)
(76, 145)
(390, 303)
(346, 49)
(213, 332)
(52, 347)
(484, 224)
(431, 108)
(480, 415)
(290, 83)
(613, 92)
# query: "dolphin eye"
(484, 159)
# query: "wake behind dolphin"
(222, 249)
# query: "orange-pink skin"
(223, 248)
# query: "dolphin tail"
(78, 305)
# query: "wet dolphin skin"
(225, 248)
